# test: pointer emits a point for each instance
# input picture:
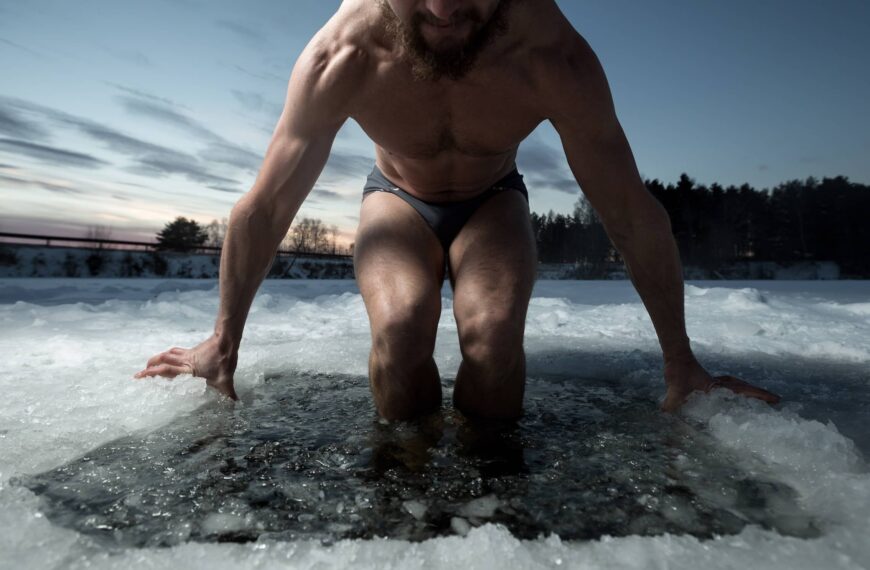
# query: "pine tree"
(181, 234)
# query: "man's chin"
(442, 40)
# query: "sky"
(126, 115)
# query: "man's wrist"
(678, 353)
(226, 343)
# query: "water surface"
(304, 456)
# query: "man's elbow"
(255, 218)
(650, 221)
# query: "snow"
(70, 346)
(54, 261)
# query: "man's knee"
(405, 331)
(491, 382)
(491, 336)
(404, 378)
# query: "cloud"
(246, 34)
(132, 184)
(544, 166)
(132, 56)
(14, 179)
(223, 152)
(51, 186)
(50, 154)
(347, 165)
(155, 160)
(279, 62)
(60, 188)
(264, 75)
(145, 95)
(218, 149)
(255, 102)
(163, 113)
(539, 157)
(226, 189)
(328, 194)
(114, 139)
(176, 163)
(14, 124)
(149, 159)
(23, 48)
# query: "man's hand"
(206, 360)
(686, 376)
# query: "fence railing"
(53, 241)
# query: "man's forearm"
(246, 257)
(653, 262)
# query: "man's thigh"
(398, 263)
(493, 263)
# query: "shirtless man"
(447, 90)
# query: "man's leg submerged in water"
(399, 267)
(493, 266)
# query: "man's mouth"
(440, 25)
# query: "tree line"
(807, 220)
(307, 235)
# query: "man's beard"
(428, 64)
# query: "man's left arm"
(580, 107)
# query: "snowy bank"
(41, 261)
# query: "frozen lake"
(98, 469)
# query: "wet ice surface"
(593, 476)
(305, 457)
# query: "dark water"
(305, 457)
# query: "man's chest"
(488, 116)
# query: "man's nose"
(442, 9)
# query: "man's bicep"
(317, 92)
(302, 139)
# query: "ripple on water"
(306, 457)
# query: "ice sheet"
(71, 346)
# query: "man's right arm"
(316, 106)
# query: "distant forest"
(795, 221)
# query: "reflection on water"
(306, 457)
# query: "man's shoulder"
(340, 55)
(565, 68)
(555, 46)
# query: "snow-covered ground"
(18, 260)
(69, 348)
(41, 261)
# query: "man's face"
(443, 37)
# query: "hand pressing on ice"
(205, 360)
(686, 376)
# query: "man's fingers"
(745, 389)
(166, 370)
(154, 360)
(174, 357)
(174, 360)
(675, 398)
